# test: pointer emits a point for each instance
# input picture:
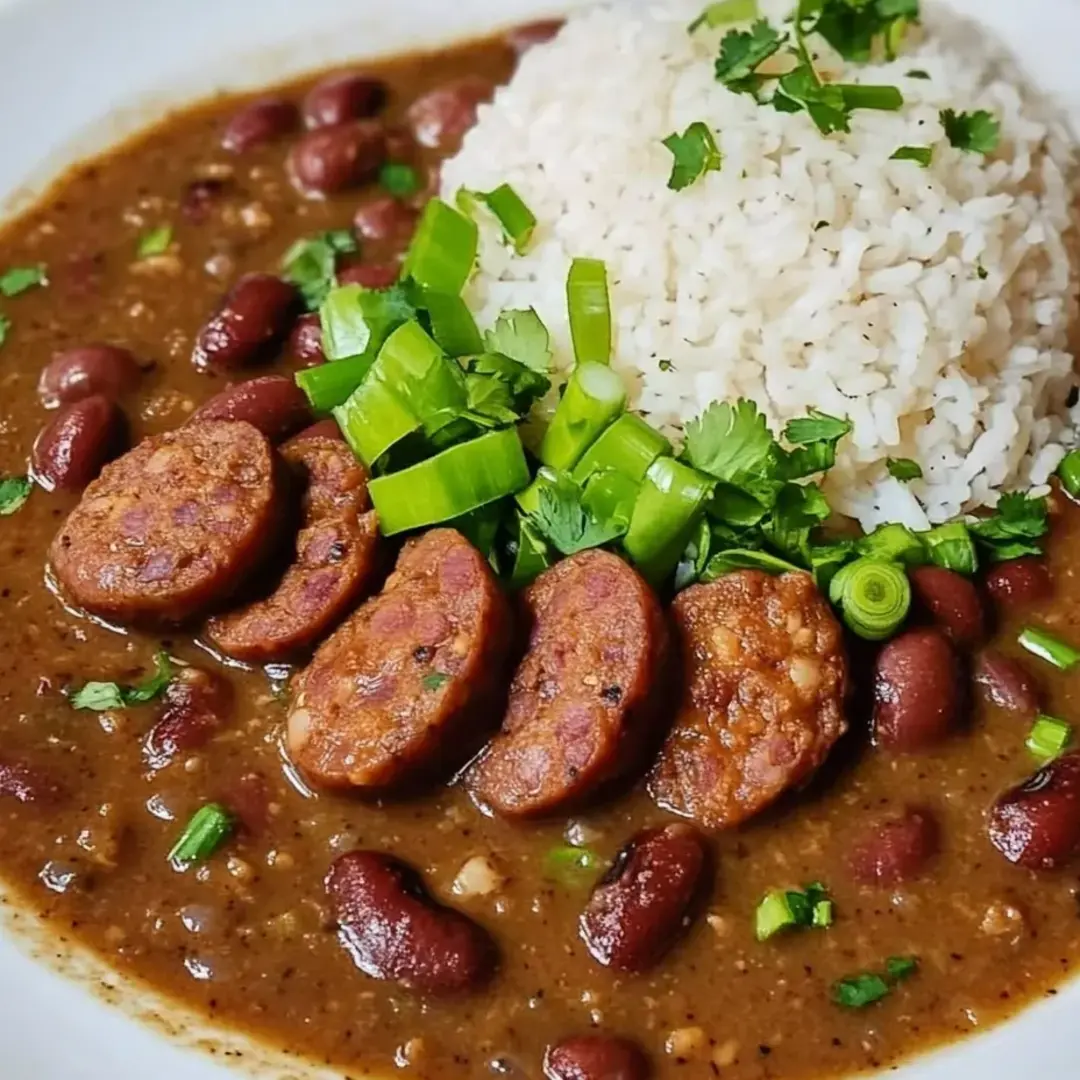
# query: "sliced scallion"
(590, 311)
(725, 12)
(374, 419)
(443, 249)
(517, 220)
(452, 324)
(330, 385)
(207, 830)
(893, 543)
(773, 915)
(861, 96)
(610, 496)
(1049, 648)
(629, 447)
(1049, 738)
(873, 596)
(783, 909)
(357, 321)
(594, 397)
(453, 483)
(531, 557)
(952, 547)
(725, 562)
(1069, 473)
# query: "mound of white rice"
(931, 306)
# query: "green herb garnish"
(5, 326)
(922, 155)
(742, 52)
(904, 469)
(873, 596)
(1047, 647)
(155, 242)
(567, 524)
(787, 909)
(20, 278)
(1049, 738)
(975, 132)
(311, 263)
(950, 546)
(14, 491)
(522, 336)
(854, 27)
(574, 867)
(695, 153)
(398, 180)
(100, 696)
(517, 220)
(1014, 528)
(434, 680)
(858, 991)
(207, 830)
(723, 13)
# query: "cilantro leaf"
(399, 180)
(852, 27)
(904, 469)
(20, 278)
(826, 106)
(695, 153)
(99, 696)
(14, 491)
(1014, 528)
(743, 51)
(858, 991)
(567, 524)
(489, 401)
(799, 509)
(976, 132)
(816, 427)
(724, 12)
(311, 263)
(522, 336)
(921, 155)
(155, 242)
(733, 443)
(526, 385)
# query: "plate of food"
(536, 539)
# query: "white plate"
(78, 73)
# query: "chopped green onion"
(594, 397)
(453, 483)
(610, 496)
(858, 991)
(207, 830)
(1049, 648)
(861, 96)
(773, 915)
(430, 384)
(873, 596)
(1048, 738)
(531, 555)
(14, 491)
(374, 419)
(155, 242)
(951, 546)
(904, 469)
(5, 327)
(399, 180)
(590, 311)
(330, 385)
(443, 249)
(783, 909)
(901, 967)
(572, 866)
(452, 324)
(823, 915)
(728, 561)
(99, 696)
(668, 509)
(1069, 473)
(20, 278)
(893, 543)
(629, 446)
(517, 220)
(695, 558)
(357, 321)
(724, 13)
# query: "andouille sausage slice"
(170, 530)
(336, 559)
(585, 700)
(394, 930)
(765, 679)
(409, 683)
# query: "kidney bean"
(639, 908)
(385, 218)
(1037, 823)
(441, 117)
(895, 849)
(349, 95)
(394, 930)
(522, 38)
(952, 601)
(199, 199)
(918, 695)
(249, 799)
(260, 121)
(77, 442)
(255, 315)
(273, 403)
(86, 370)
(195, 706)
(332, 159)
(400, 144)
(305, 341)
(369, 275)
(1005, 683)
(27, 784)
(595, 1057)
(1019, 583)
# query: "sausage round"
(595, 1057)
(273, 403)
(408, 683)
(195, 706)
(173, 528)
(441, 117)
(641, 906)
(952, 601)
(918, 692)
(1019, 583)
(331, 159)
(86, 370)
(765, 679)
(895, 849)
(393, 930)
(253, 319)
(585, 700)
(336, 559)
(1004, 682)
(72, 448)
(1037, 824)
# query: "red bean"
(1037, 824)
(86, 370)
(74, 446)
(274, 404)
(332, 159)
(918, 696)
(349, 95)
(640, 906)
(385, 218)
(370, 275)
(595, 1057)
(522, 38)
(261, 121)
(1005, 683)
(441, 117)
(394, 930)
(199, 199)
(195, 706)
(249, 799)
(952, 601)
(895, 849)
(400, 144)
(1019, 583)
(305, 341)
(254, 317)
(27, 784)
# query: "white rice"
(933, 308)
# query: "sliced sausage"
(1019, 583)
(305, 341)
(1037, 824)
(952, 601)
(765, 679)
(409, 683)
(596, 1057)
(274, 404)
(1004, 683)
(895, 849)
(332, 159)
(336, 560)
(87, 370)
(348, 95)
(584, 704)
(918, 691)
(441, 117)
(173, 528)
(254, 318)
(642, 905)
(261, 121)
(27, 784)
(76, 443)
(393, 930)
(195, 706)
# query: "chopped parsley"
(854, 27)
(434, 680)
(867, 987)
(975, 132)
(311, 263)
(14, 491)
(904, 469)
(522, 336)
(666, 365)
(155, 242)
(20, 278)
(1014, 529)
(398, 180)
(723, 13)
(787, 909)
(922, 155)
(732, 443)
(100, 696)
(695, 153)
(742, 52)
(574, 867)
